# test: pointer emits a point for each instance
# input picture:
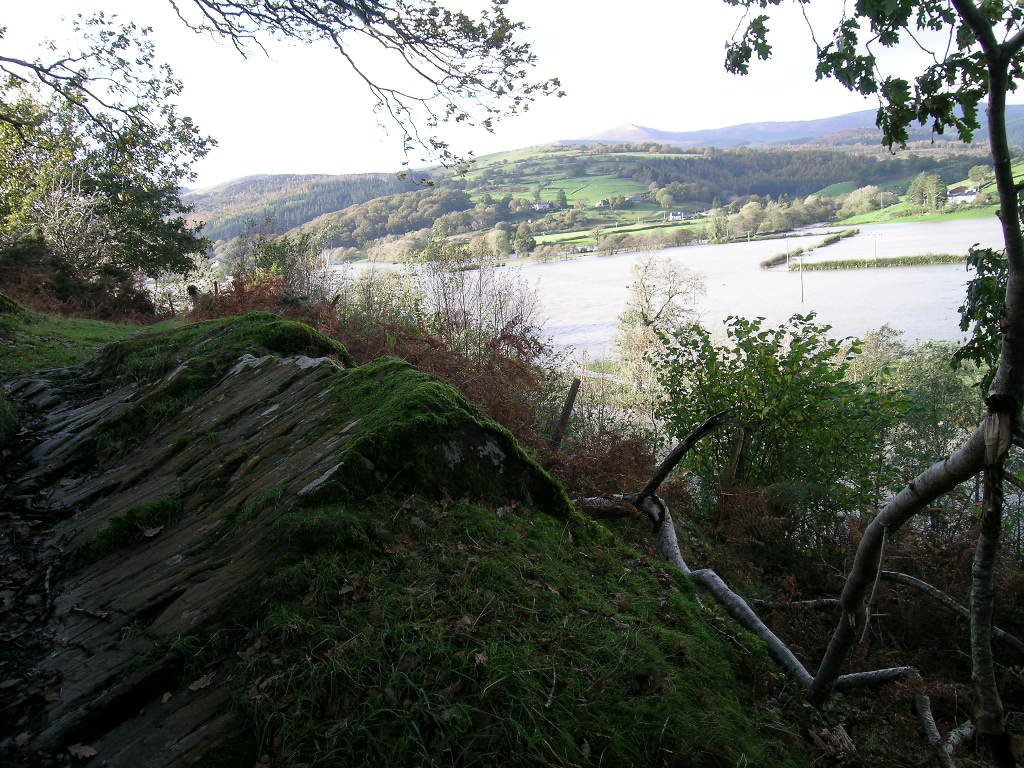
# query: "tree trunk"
(935, 481)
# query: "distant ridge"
(846, 129)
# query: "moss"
(408, 429)
(199, 355)
(412, 634)
(210, 348)
(9, 306)
(122, 532)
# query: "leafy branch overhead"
(463, 69)
(947, 91)
(117, 94)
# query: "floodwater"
(582, 298)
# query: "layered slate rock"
(158, 450)
(265, 555)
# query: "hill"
(272, 556)
(606, 181)
(276, 203)
(851, 128)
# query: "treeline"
(726, 174)
(359, 225)
(286, 202)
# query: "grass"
(198, 355)
(893, 261)
(907, 212)
(837, 189)
(403, 633)
(135, 526)
(593, 188)
(32, 340)
(585, 237)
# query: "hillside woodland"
(558, 190)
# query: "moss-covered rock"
(350, 566)
(210, 349)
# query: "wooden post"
(563, 419)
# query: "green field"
(585, 237)
(839, 188)
(893, 261)
(31, 340)
(904, 211)
(593, 188)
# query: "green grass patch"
(406, 634)
(907, 212)
(31, 340)
(837, 189)
(891, 261)
(137, 524)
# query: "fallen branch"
(677, 453)
(820, 602)
(941, 597)
(864, 575)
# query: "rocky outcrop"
(250, 551)
(164, 475)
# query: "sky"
(299, 109)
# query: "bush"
(804, 433)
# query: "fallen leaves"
(81, 751)
(202, 682)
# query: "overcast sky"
(649, 62)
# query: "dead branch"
(933, 482)
(941, 597)
(958, 736)
(677, 453)
(820, 602)
(563, 419)
(921, 491)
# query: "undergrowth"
(411, 634)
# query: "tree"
(463, 69)
(112, 103)
(936, 193)
(662, 296)
(561, 201)
(524, 241)
(982, 60)
(863, 200)
(980, 174)
(96, 169)
(921, 187)
(810, 437)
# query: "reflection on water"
(582, 298)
